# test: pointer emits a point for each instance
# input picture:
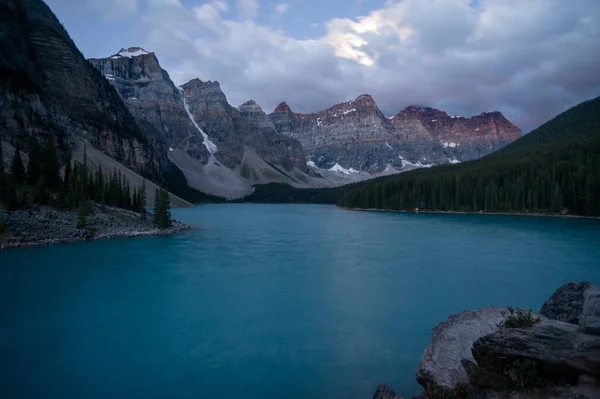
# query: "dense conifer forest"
(81, 184)
(554, 169)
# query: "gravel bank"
(44, 226)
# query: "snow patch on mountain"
(450, 144)
(340, 169)
(210, 146)
(130, 52)
(415, 165)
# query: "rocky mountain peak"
(131, 52)
(283, 108)
(365, 99)
(250, 106)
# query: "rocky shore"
(497, 352)
(44, 226)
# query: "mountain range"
(131, 116)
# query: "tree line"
(554, 169)
(41, 183)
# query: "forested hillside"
(554, 169)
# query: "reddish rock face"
(487, 128)
(355, 134)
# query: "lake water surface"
(269, 301)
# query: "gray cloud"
(530, 60)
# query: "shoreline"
(7, 242)
(547, 215)
(47, 226)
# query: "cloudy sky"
(530, 59)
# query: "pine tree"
(142, 200)
(50, 164)
(17, 170)
(157, 209)
(162, 209)
(39, 192)
(166, 201)
(34, 167)
(2, 174)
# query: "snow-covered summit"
(130, 52)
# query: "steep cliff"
(48, 87)
(234, 128)
(357, 135)
(220, 149)
(152, 98)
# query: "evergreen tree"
(50, 164)
(34, 167)
(166, 203)
(2, 175)
(17, 170)
(162, 209)
(39, 192)
(157, 216)
(142, 200)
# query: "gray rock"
(357, 135)
(559, 351)
(48, 88)
(46, 226)
(443, 363)
(589, 321)
(566, 304)
(385, 392)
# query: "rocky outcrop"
(566, 304)
(45, 226)
(357, 135)
(443, 363)
(385, 392)
(589, 321)
(554, 350)
(475, 355)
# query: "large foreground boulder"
(566, 304)
(589, 320)
(443, 363)
(552, 352)
(385, 392)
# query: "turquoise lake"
(269, 301)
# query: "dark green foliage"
(141, 200)
(520, 374)
(39, 195)
(519, 318)
(279, 192)
(12, 200)
(2, 175)
(2, 225)
(50, 164)
(162, 206)
(34, 167)
(82, 184)
(524, 374)
(17, 170)
(554, 169)
(481, 378)
(81, 220)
